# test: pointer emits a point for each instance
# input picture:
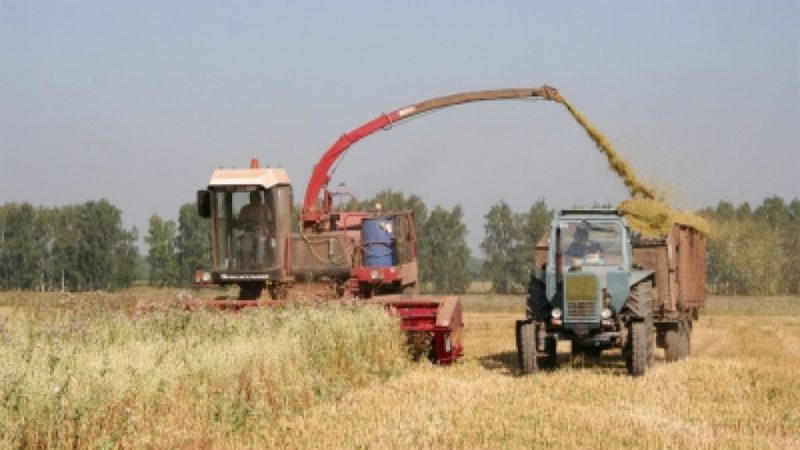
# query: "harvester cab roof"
(257, 177)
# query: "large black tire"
(640, 351)
(526, 346)
(687, 338)
(678, 342)
(672, 338)
(640, 301)
(550, 360)
(538, 306)
(637, 360)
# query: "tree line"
(75, 248)
(752, 251)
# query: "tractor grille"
(581, 298)
(581, 310)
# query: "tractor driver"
(582, 245)
(252, 216)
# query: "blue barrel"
(377, 239)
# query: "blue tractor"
(600, 285)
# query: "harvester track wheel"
(526, 346)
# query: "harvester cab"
(250, 212)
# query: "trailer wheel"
(671, 350)
(687, 338)
(538, 306)
(678, 342)
(526, 346)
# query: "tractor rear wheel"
(637, 359)
(538, 306)
(526, 346)
(639, 351)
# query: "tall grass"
(79, 375)
(84, 372)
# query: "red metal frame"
(313, 214)
(442, 318)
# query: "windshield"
(244, 229)
(591, 243)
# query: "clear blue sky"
(137, 102)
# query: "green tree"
(791, 247)
(510, 243)
(749, 250)
(193, 244)
(73, 247)
(444, 257)
(126, 257)
(773, 212)
(533, 226)
(98, 229)
(65, 249)
(164, 268)
(743, 259)
(22, 253)
(501, 235)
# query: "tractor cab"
(589, 270)
(250, 212)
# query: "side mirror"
(204, 203)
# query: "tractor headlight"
(605, 313)
(374, 274)
(556, 313)
(205, 277)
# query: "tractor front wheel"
(526, 346)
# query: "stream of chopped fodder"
(645, 210)
(619, 165)
(174, 379)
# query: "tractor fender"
(639, 275)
